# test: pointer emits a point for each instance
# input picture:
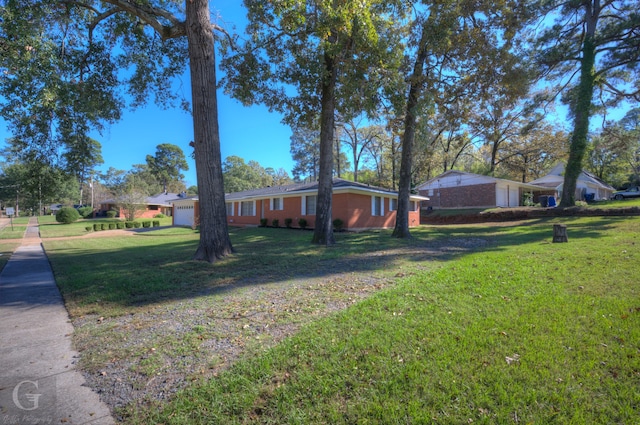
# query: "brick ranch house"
(457, 189)
(358, 205)
(153, 205)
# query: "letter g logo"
(32, 398)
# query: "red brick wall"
(480, 195)
(353, 209)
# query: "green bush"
(302, 223)
(146, 224)
(338, 224)
(275, 222)
(120, 225)
(112, 214)
(129, 224)
(103, 226)
(287, 222)
(112, 226)
(136, 224)
(96, 227)
(156, 223)
(159, 215)
(67, 215)
(85, 212)
(88, 228)
(263, 222)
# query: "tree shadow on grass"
(147, 269)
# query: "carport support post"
(560, 233)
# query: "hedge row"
(122, 225)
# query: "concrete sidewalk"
(38, 380)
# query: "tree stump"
(560, 233)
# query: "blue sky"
(252, 133)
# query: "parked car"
(632, 192)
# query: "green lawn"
(50, 228)
(521, 331)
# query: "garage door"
(514, 197)
(501, 197)
(183, 215)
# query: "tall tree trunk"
(323, 231)
(582, 108)
(214, 233)
(401, 229)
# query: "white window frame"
(304, 204)
(280, 201)
(253, 209)
(230, 210)
(393, 202)
(379, 200)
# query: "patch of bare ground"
(155, 351)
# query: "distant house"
(358, 205)
(458, 189)
(153, 205)
(588, 186)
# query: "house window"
(377, 207)
(247, 208)
(393, 204)
(412, 206)
(309, 205)
(276, 204)
(229, 208)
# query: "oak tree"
(69, 64)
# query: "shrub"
(85, 212)
(159, 215)
(136, 224)
(103, 226)
(112, 226)
(128, 224)
(67, 215)
(146, 224)
(156, 223)
(338, 224)
(120, 225)
(275, 222)
(96, 227)
(287, 222)
(88, 228)
(112, 214)
(263, 222)
(302, 223)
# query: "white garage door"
(501, 197)
(183, 215)
(514, 197)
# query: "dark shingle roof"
(302, 187)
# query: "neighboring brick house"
(358, 205)
(457, 189)
(153, 205)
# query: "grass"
(6, 250)
(50, 228)
(524, 331)
(13, 232)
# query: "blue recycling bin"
(552, 201)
